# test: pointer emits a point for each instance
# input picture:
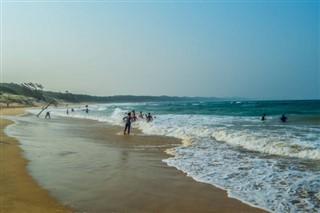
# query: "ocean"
(267, 164)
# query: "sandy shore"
(19, 192)
(135, 180)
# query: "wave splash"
(269, 165)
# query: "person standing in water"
(47, 115)
(263, 117)
(127, 120)
(149, 117)
(140, 115)
(283, 118)
(133, 116)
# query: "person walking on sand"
(127, 120)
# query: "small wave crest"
(275, 140)
(268, 144)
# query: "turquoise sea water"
(268, 164)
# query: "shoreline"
(19, 191)
(181, 193)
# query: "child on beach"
(127, 120)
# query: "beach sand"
(136, 179)
(19, 192)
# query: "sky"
(262, 50)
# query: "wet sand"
(19, 192)
(134, 180)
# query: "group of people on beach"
(131, 117)
(283, 118)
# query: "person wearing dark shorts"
(127, 126)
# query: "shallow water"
(91, 168)
(271, 165)
(62, 159)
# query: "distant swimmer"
(72, 110)
(47, 115)
(149, 117)
(283, 118)
(127, 120)
(263, 117)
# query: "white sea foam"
(218, 149)
(269, 143)
(260, 140)
(243, 132)
(265, 183)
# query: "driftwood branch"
(44, 108)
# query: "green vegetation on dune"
(28, 94)
(32, 93)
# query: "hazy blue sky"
(261, 50)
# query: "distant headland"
(33, 94)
